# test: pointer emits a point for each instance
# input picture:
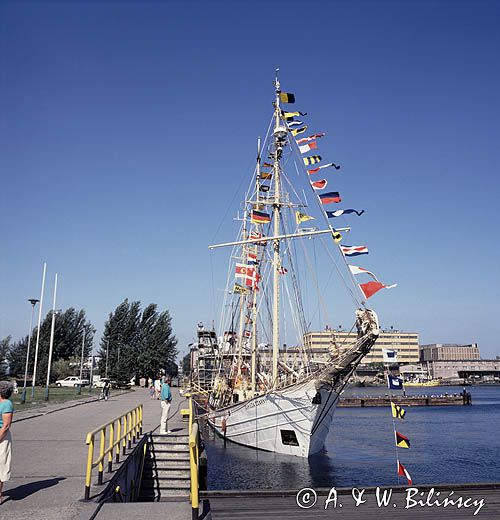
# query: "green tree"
(61, 369)
(120, 341)
(4, 352)
(138, 343)
(70, 328)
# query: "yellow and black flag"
(302, 217)
(397, 411)
(297, 131)
(402, 441)
(265, 175)
(313, 159)
(336, 236)
(285, 97)
(290, 115)
(239, 289)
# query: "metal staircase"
(166, 474)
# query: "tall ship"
(264, 387)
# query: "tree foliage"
(4, 350)
(137, 343)
(71, 326)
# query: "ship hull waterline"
(292, 421)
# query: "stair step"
(163, 473)
(168, 438)
(173, 457)
(169, 446)
(170, 483)
(167, 464)
(165, 495)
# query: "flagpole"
(33, 383)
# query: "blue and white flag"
(394, 383)
(354, 250)
(339, 212)
(389, 355)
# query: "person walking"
(6, 412)
(157, 384)
(166, 399)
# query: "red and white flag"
(310, 138)
(403, 472)
(361, 270)
(308, 147)
(370, 288)
(319, 185)
(316, 170)
(244, 271)
(255, 235)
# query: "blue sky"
(128, 129)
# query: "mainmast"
(253, 369)
(279, 142)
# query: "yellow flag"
(302, 217)
(397, 411)
(298, 131)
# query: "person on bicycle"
(105, 389)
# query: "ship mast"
(253, 368)
(279, 142)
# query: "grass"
(56, 395)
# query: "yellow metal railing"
(120, 433)
(194, 456)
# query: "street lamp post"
(81, 364)
(33, 383)
(51, 345)
(107, 353)
(91, 372)
(33, 302)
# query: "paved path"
(49, 456)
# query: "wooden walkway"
(262, 505)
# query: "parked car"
(72, 381)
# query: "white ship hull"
(283, 421)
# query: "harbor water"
(448, 445)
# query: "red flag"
(319, 185)
(370, 288)
(402, 472)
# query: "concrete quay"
(49, 455)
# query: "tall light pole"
(51, 345)
(33, 383)
(91, 371)
(33, 302)
(81, 361)
(107, 353)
